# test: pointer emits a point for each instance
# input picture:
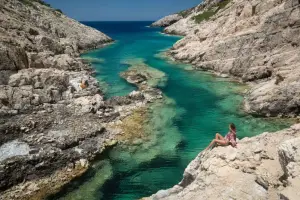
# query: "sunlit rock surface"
(52, 111)
(262, 167)
(255, 41)
(167, 21)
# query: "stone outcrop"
(262, 167)
(167, 21)
(40, 56)
(53, 116)
(254, 41)
(186, 23)
(77, 134)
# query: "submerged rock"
(143, 75)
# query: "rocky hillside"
(263, 167)
(53, 116)
(254, 41)
(167, 21)
(38, 44)
(257, 42)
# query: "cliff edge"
(53, 116)
(167, 21)
(255, 41)
(262, 167)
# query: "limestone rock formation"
(254, 41)
(262, 167)
(186, 23)
(167, 21)
(53, 116)
(289, 157)
(39, 55)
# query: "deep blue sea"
(197, 106)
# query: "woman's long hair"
(232, 127)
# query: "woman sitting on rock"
(230, 138)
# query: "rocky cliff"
(254, 41)
(167, 21)
(40, 55)
(263, 167)
(53, 116)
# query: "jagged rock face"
(256, 41)
(289, 157)
(262, 167)
(39, 54)
(52, 112)
(181, 27)
(47, 120)
(167, 21)
(186, 24)
(37, 27)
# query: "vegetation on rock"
(185, 13)
(206, 15)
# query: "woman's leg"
(211, 144)
(219, 136)
(216, 141)
(222, 142)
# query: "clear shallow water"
(197, 106)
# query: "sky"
(121, 10)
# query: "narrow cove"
(197, 106)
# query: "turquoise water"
(196, 106)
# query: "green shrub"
(222, 4)
(211, 11)
(204, 16)
(59, 10)
(44, 3)
(183, 13)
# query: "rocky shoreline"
(256, 43)
(54, 118)
(112, 120)
(261, 167)
(167, 21)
